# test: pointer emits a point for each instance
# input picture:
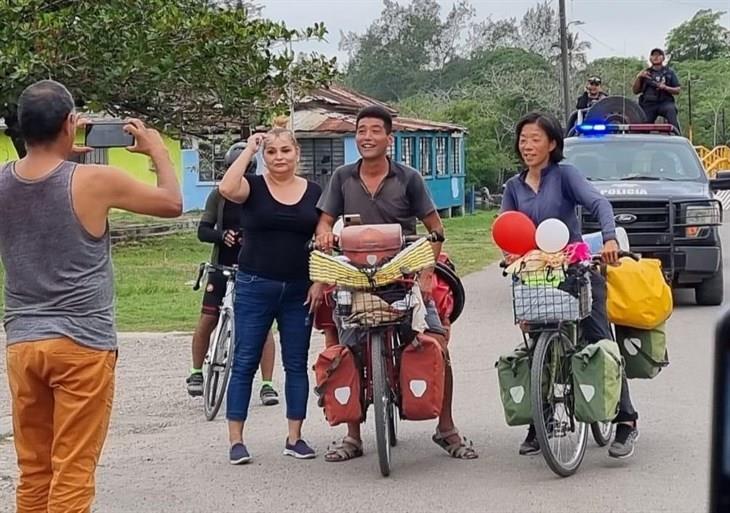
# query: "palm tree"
(577, 51)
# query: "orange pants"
(62, 399)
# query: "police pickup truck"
(660, 195)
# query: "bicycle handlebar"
(408, 239)
(205, 267)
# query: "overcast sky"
(614, 27)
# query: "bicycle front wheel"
(393, 424)
(562, 438)
(219, 368)
(381, 402)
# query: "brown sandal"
(461, 450)
(347, 449)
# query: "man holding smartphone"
(220, 225)
(658, 85)
(59, 311)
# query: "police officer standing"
(658, 85)
(592, 95)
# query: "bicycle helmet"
(232, 154)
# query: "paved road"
(163, 457)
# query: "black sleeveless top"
(275, 235)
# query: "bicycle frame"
(227, 305)
(218, 357)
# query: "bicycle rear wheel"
(219, 368)
(562, 438)
(382, 402)
(602, 432)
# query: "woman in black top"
(279, 216)
(220, 225)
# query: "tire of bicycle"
(544, 343)
(457, 289)
(602, 432)
(381, 402)
(393, 424)
(216, 381)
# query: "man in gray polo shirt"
(383, 191)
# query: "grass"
(154, 278)
(469, 242)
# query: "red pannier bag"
(338, 385)
(323, 315)
(422, 376)
(441, 292)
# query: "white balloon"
(552, 235)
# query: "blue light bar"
(592, 128)
(616, 128)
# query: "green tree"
(489, 105)
(182, 65)
(700, 38)
(403, 45)
(617, 74)
(710, 96)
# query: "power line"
(600, 42)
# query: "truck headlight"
(698, 218)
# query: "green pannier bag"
(597, 381)
(513, 371)
(644, 351)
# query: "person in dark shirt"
(220, 225)
(658, 85)
(279, 218)
(550, 188)
(592, 95)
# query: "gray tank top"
(58, 278)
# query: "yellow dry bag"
(638, 294)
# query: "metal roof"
(334, 109)
(337, 97)
(320, 120)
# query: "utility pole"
(689, 105)
(564, 61)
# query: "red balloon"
(514, 233)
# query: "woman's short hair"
(552, 128)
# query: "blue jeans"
(259, 301)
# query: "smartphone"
(352, 219)
(108, 134)
(720, 459)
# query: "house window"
(99, 156)
(426, 164)
(212, 161)
(441, 168)
(456, 156)
(321, 156)
(408, 150)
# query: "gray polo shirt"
(402, 198)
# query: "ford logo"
(625, 218)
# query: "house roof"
(339, 98)
(320, 120)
